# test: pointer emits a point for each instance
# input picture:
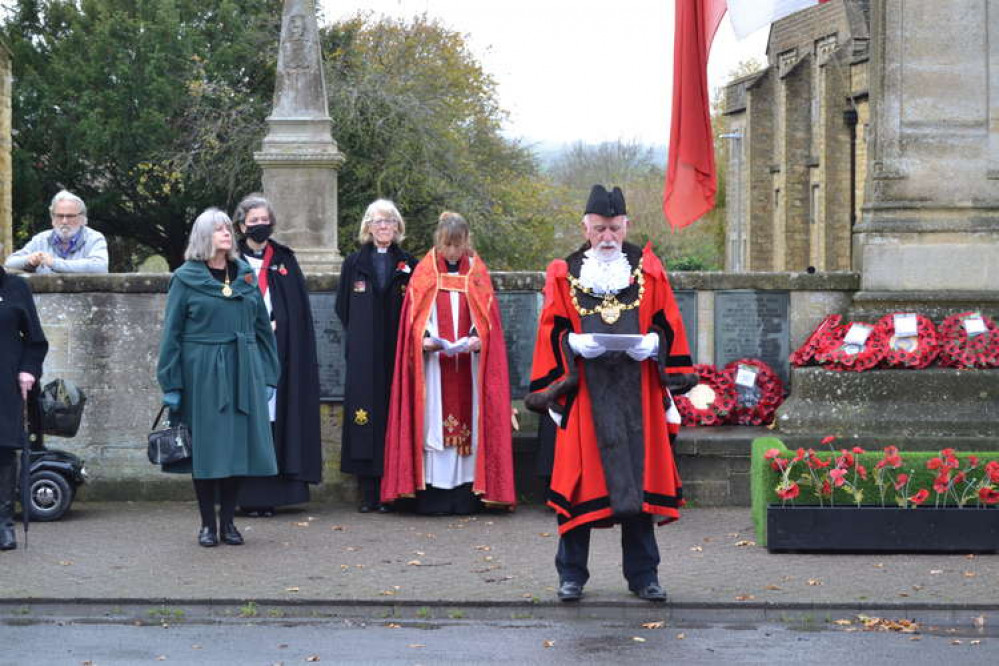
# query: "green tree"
(148, 109)
(420, 124)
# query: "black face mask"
(260, 232)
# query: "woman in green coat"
(218, 367)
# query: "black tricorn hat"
(604, 203)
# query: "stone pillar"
(299, 156)
(6, 163)
(931, 217)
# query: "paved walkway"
(146, 553)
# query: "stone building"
(6, 164)
(796, 155)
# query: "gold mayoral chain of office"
(226, 289)
(609, 308)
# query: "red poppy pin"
(249, 278)
(403, 266)
(282, 270)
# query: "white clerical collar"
(381, 250)
(604, 275)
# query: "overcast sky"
(573, 70)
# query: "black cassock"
(370, 317)
(296, 426)
(22, 349)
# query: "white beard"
(604, 275)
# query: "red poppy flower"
(973, 461)
(756, 403)
(826, 489)
(934, 463)
(988, 495)
(835, 354)
(805, 355)
(992, 470)
(901, 481)
(282, 270)
(941, 482)
(789, 491)
(771, 454)
(828, 439)
(838, 476)
(961, 350)
(799, 454)
(920, 497)
(862, 471)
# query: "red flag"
(690, 178)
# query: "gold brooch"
(361, 417)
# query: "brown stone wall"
(759, 147)
(791, 223)
(6, 167)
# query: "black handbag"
(62, 404)
(170, 444)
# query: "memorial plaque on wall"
(686, 300)
(753, 324)
(520, 311)
(329, 346)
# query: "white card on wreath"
(857, 335)
(974, 325)
(746, 376)
(906, 325)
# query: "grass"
(249, 609)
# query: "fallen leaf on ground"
(312, 657)
(65, 563)
(843, 622)
(419, 552)
(745, 542)
(303, 523)
(970, 574)
(772, 587)
(680, 637)
(638, 639)
(814, 581)
(975, 642)
(879, 565)
(195, 647)
(917, 588)
(744, 597)
(414, 563)
(658, 624)
(978, 621)
(293, 588)
(393, 625)
(934, 572)
(338, 528)
(903, 594)
(915, 638)
(548, 644)
(697, 549)
(956, 641)
(544, 534)
(161, 657)
(483, 548)
(387, 593)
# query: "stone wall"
(104, 333)
(6, 167)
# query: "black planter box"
(874, 529)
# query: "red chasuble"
(578, 491)
(404, 438)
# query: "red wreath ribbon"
(717, 411)
(958, 350)
(833, 356)
(805, 354)
(771, 394)
(896, 354)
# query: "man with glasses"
(70, 247)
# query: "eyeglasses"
(383, 223)
(60, 216)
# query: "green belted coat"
(219, 352)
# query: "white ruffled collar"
(604, 276)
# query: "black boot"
(8, 541)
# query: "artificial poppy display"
(710, 402)
(910, 340)
(758, 390)
(855, 346)
(805, 354)
(969, 340)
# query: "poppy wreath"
(833, 355)
(755, 405)
(958, 350)
(805, 354)
(708, 403)
(899, 352)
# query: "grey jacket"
(90, 257)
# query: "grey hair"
(66, 195)
(199, 244)
(452, 229)
(387, 208)
(249, 202)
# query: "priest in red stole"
(610, 353)
(448, 442)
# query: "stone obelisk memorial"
(298, 156)
(929, 238)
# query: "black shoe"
(231, 535)
(208, 537)
(7, 539)
(385, 508)
(257, 511)
(569, 590)
(365, 508)
(651, 592)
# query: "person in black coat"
(22, 349)
(368, 301)
(294, 410)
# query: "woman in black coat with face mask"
(294, 410)
(22, 350)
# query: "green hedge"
(764, 479)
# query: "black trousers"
(638, 548)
